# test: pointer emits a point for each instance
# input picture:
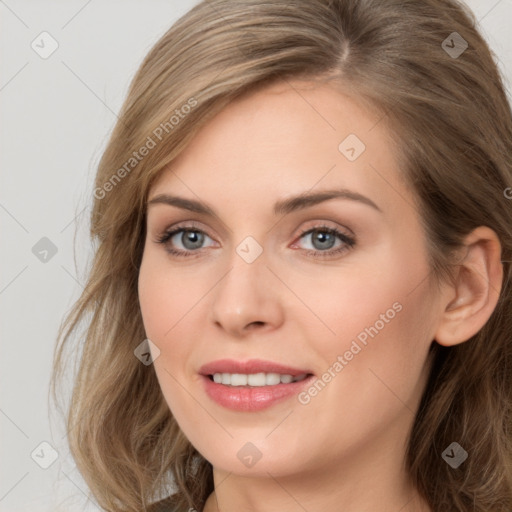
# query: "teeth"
(286, 379)
(255, 379)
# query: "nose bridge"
(246, 295)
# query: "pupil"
(190, 235)
(325, 236)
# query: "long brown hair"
(424, 66)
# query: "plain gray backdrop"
(57, 112)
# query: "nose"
(248, 298)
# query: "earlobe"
(475, 291)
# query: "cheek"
(381, 322)
(376, 300)
(152, 304)
(163, 303)
(168, 301)
(161, 297)
(383, 369)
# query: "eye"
(323, 239)
(190, 237)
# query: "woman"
(300, 297)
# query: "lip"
(251, 398)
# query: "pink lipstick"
(252, 385)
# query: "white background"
(56, 116)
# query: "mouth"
(260, 379)
(253, 385)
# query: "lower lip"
(252, 398)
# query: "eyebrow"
(282, 207)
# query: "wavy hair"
(446, 108)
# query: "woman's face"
(267, 287)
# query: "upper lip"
(250, 366)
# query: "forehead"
(285, 139)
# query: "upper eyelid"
(197, 225)
(304, 215)
(317, 225)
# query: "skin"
(344, 449)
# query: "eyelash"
(349, 241)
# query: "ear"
(472, 297)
